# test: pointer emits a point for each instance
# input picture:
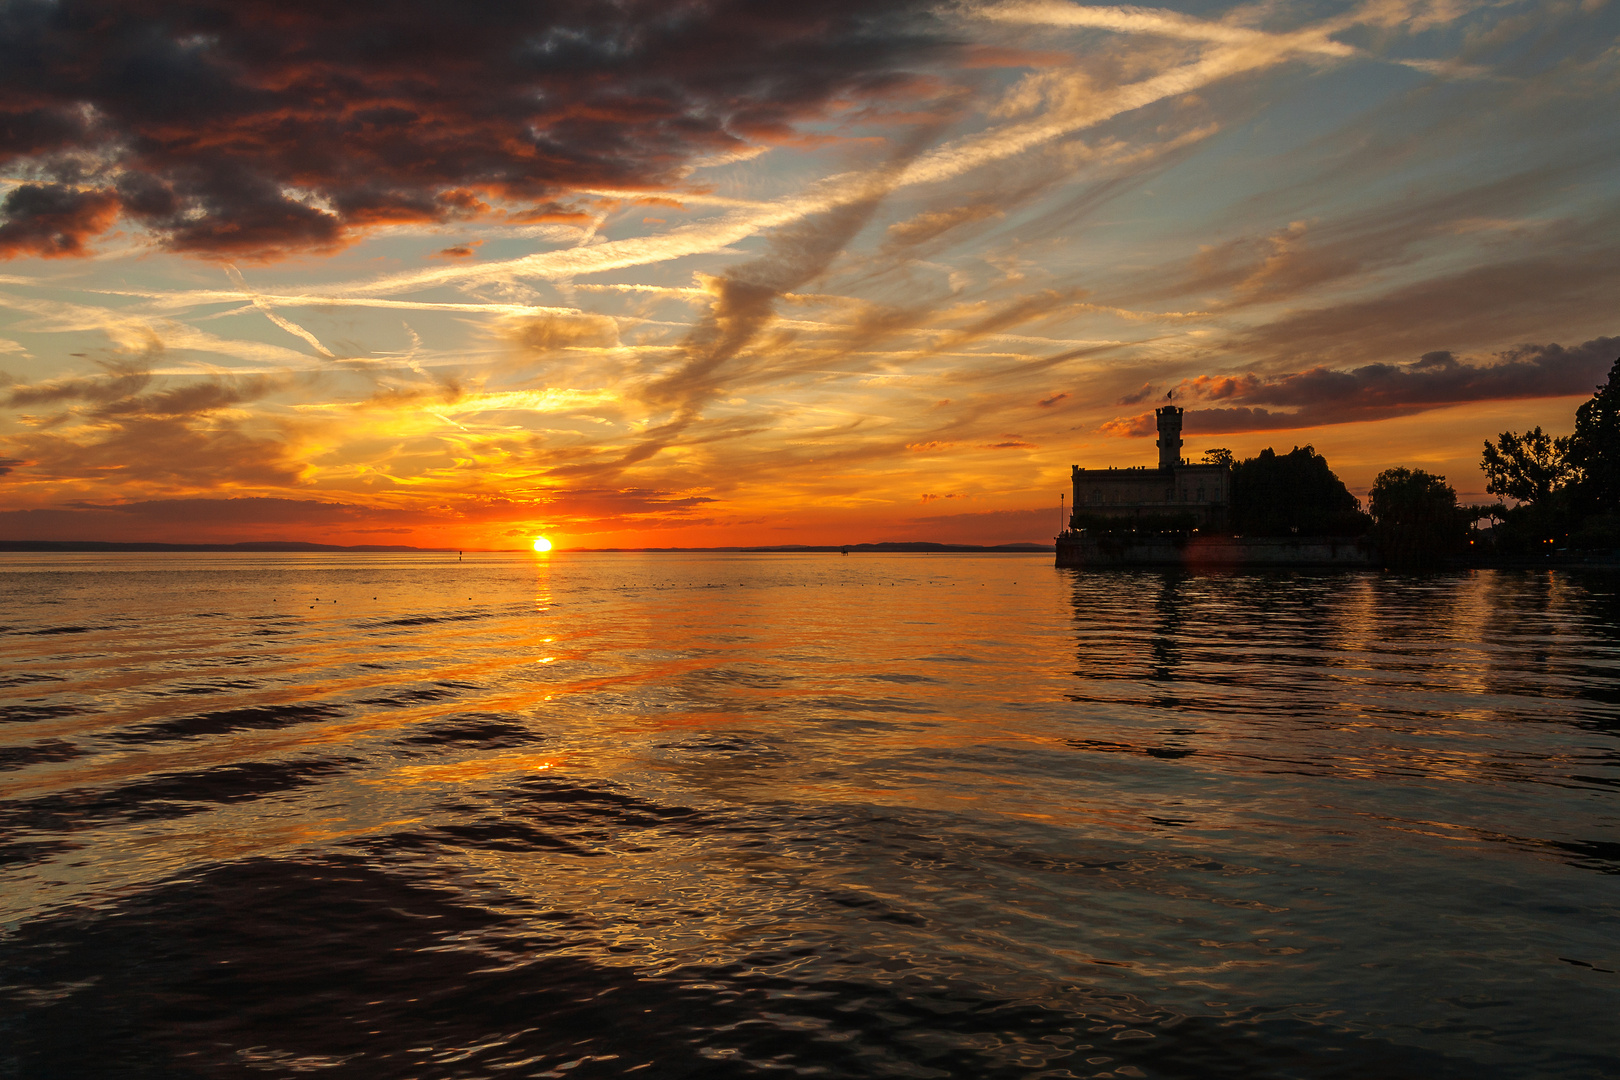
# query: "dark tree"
(1567, 489)
(1219, 455)
(1594, 450)
(1529, 467)
(1534, 469)
(1279, 494)
(1417, 523)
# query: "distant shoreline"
(91, 546)
(286, 546)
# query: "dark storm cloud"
(253, 128)
(1377, 391)
(53, 220)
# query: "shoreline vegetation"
(1566, 512)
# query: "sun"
(542, 544)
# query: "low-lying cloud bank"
(1320, 395)
(211, 520)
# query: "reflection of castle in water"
(1174, 494)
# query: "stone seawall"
(1210, 552)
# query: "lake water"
(715, 815)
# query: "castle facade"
(1176, 494)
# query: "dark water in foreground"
(715, 816)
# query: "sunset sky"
(711, 273)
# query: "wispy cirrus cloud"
(1166, 23)
(1065, 102)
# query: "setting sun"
(542, 544)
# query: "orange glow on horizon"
(542, 544)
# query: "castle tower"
(1169, 436)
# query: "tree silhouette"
(1568, 488)
(1417, 523)
(1529, 467)
(1278, 494)
(1594, 450)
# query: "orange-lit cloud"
(253, 130)
(53, 220)
(625, 276)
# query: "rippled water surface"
(700, 815)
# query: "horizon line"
(294, 546)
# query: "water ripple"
(709, 816)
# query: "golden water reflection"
(1269, 789)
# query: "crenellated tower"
(1169, 436)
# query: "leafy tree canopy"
(1593, 452)
(1528, 467)
(1277, 494)
(1567, 488)
(1417, 522)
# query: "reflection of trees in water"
(1557, 630)
(1283, 611)
(1408, 604)
(1414, 622)
(1596, 595)
(1231, 634)
(1520, 609)
(1470, 706)
(1494, 639)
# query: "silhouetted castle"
(1196, 495)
